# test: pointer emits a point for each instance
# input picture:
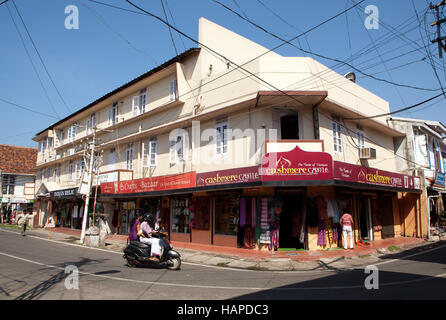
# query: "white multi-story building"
(186, 140)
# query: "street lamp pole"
(90, 176)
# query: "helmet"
(148, 218)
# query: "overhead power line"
(130, 44)
(40, 57)
(28, 109)
(32, 63)
(285, 93)
(195, 41)
(320, 55)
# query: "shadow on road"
(418, 281)
(46, 285)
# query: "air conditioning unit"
(367, 153)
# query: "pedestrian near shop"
(347, 228)
(25, 222)
(104, 230)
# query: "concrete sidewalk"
(251, 259)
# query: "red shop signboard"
(230, 176)
(170, 182)
(354, 173)
(297, 165)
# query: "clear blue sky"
(89, 62)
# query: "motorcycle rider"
(145, 236)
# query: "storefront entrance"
(292, 221)
(365, 219)
(201, 221)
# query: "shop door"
(365, 222)
(201, 225)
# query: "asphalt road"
(35, 268)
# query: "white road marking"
(306, 272)
(222, 287)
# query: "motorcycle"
(138, 254)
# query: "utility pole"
(438, 23)
(90, 178)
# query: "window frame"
(173, 90)
(129, 151)
(338, 146)
(8, 182)
(174, 153)
(220, 133)
(147, 157)
(360, 136)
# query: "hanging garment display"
(264, 226)
(336, 233)
(242, 212)
(321, 240)
(329, 230)
(274, 235)
(253, 212)
(302, 228)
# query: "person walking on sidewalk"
(104, 230)
(347, 228)
(25, 222)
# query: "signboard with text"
(354, 173)
(297, 165)
(66, 193)
(161, 183)
(230, 176)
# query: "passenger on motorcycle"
(145, 235)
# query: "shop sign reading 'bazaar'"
(170, 182)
